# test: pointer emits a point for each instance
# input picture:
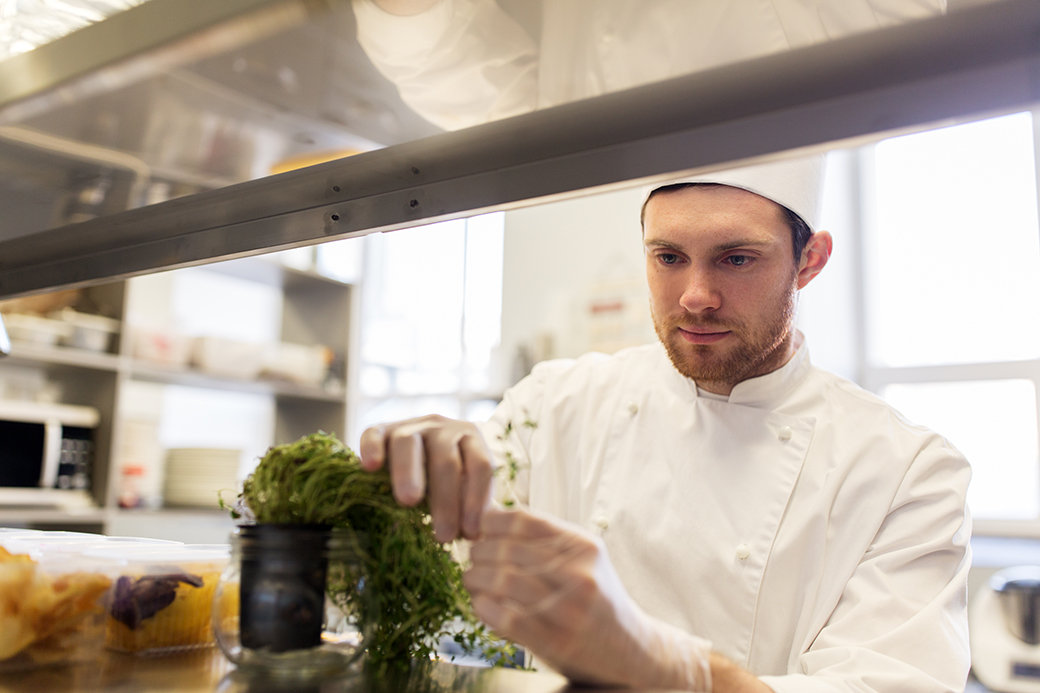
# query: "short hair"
(800, 230)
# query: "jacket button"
(633, 408)
(743, 551)
(786, 433)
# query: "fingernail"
(445, 533)
(408, 494)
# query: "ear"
(814, 257)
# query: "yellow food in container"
(51, 611)
(162, 600)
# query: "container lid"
(36, 539)
(39, 544)
(160, 557)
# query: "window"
(952, 298)
(431, 320)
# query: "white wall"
(556, 256)
(826, 307)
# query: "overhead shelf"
(974, 63)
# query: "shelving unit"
(314, 310)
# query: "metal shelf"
(35, 516)
(22, 352)
(969, 64)
(183, 375)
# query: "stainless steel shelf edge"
(190, 377)
(967, 64)
(63, 356)
(133, 44)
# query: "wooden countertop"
(208, 670)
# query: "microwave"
(45, 446)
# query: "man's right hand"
(444, 460)
(405, 8)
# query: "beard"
(759, 347)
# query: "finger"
(498, 614)
(511, 622)
(372, 448)
(520, 523)
(478, 473)
(407, 464)
(523, 553)
(445, 480)
(524, 589)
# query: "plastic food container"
(52, 608)
(90, 332)
(162, 597)
(299, 363)
(162, 347)
(33, 329)
(228, 357)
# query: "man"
(462, 62)
(710, 512)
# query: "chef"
(709, 512)
(464, 62)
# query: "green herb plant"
(406, 590)
(512, 466)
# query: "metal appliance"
(1005, 631)
(46, 453)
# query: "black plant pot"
(282, 592)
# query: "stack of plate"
(199, 476)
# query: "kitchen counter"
(208, 670)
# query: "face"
(723, 282)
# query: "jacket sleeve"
(466, 62)
(461, 63)
(901, 621)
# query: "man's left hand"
(551, 587)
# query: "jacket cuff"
(390, 32)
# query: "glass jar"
(272, 610)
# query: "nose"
(700, 295)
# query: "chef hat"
(793, 183)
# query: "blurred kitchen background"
(171, 385)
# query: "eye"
(738, 260)
(668, 258)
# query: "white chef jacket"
(807, 529)
(465, 62)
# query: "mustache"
(700, 323)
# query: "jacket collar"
(767, 389)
